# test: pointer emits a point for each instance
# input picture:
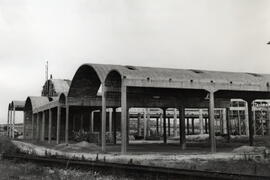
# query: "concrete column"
(8, 123)
(268, 122)
(201, 120)
(160, 126)
(103, 119)
(67, 123)
(110, 122)
(175, 123)
(254, 119)
(251, 123)
(92, 121)
(139, 125)
(224, 120)
(182, 128)
(127, 125)
(38, 127)
(188, 126)
(123, 118)
(81, 119)
(33, 126)
(157, 126)
(212, 121)
(13, 123)
(114, 125)
(58, 125)
(145, 124)
(43, 126)
(169, 126)
(228, 124)
(148, 123)
(164, 126)
(192, 125)
(50, 127)
(246, 118)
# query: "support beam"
(175, 123)
(182, 128)
(81, 120)
(192, 125)
(123, 119)
(13, 123)
(58, 125)
(188, 126)
(201, 120)
(33, 126)
(157, 126)
(268, 122)
(246, 118)
(114, 125)
(145, 124)
(110, 122)
(228, 123)
(251, 123)
(169, 126)
(224, 121)
(43, 126)
(161, 124)
(206, 125)
(148, 127)
(103, 119)
(92, 122)
(212, 121)
(50, 127)
(164, 126)
(38, 127)
(139, 125)
(67, 123)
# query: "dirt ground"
(14, 170)
(229, 158)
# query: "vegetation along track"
(132, 170)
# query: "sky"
(222, 35)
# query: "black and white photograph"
(134, 89)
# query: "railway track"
(133, 170)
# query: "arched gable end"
(85, 82)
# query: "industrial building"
(102, 99)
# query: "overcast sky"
(227, 35)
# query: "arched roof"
(18, 105)
(164, 77)
(34, 102)
(57, 86)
